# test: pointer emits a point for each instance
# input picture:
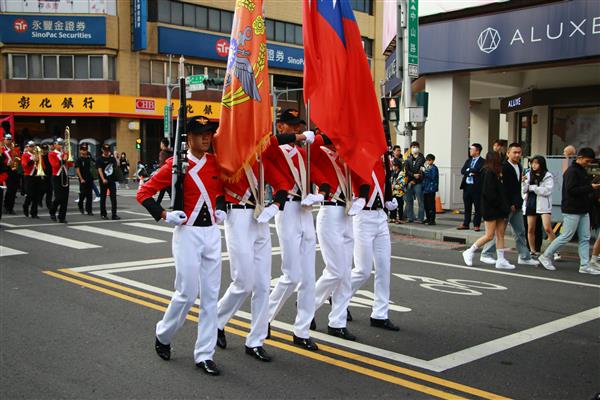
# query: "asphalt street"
(79, 303)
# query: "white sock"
(473, 248)
(500, 254)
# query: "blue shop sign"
(139, 24)
(51, 29)
(216, 47)
(556, 31)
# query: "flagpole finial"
(181, 67)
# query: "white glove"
(357, 205)
(175, 217)
(220, 216)
(391, 205)
(268, 213)
(310, 136)
(312, 199)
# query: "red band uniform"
(60, 180)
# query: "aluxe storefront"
(520, 71)
(90, 116)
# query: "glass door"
(524, 133)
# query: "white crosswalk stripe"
(54, 239)
(7, 251)
(154, 227)
(116, 234)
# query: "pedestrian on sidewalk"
(512, 173)
(577, 192)
(124, 167)
(595, 224)
(471, 187)
(414, 171)
(398, 183)
(431, 183)
(495, 209)
(538, 184)
(165, 153)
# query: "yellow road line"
(326, 348)
(283, 346)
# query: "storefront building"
(103, 66)
(526, 72)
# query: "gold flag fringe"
(260, 148)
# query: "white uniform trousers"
(372, 244)
(197, 253)
(249, 247)
(296, 233)
(334, 231)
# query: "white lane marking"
(134, 212)
(54, 239)
(117, 234)
(507, 342)
(94, 222)
(493, 271)
(7, 251)
(123, 264)
(8, 225)
(154, 227)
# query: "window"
(290, 33)
(111, 69)
(279, 31)
(144, 71)
(96, 67)
(189, 15)
(176, 13)
(158, 72)
(65, 67)
(34, 66)
(574, 125)
(226, 21)
(50, 67)
(298, 35)
(214, 20)
(19, 66)
(201, 18)
(362, 6)
(81, 67)
(270, 29)
(285, 32)
(164, 11)
(368, 46)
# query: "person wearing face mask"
(414, 164)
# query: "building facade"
(102, 66)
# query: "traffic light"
(213, 81)
(138, 143)
(393, 109)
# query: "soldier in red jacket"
(249, 248)
(29, 162)
(60, 180)
(196, 244)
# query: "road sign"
(195, 82)
(413, 38)
(167, 121)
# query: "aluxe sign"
(52, 29)
(556, 31)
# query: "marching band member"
(29, 162)
(12, 154)
(334, 231)
(196, 244)
(372, 243)
(4, 167)
(249, 247)
(60, 180)
(296, 233)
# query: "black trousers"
(85, 196)
(472, 197)
(161, 194)
(1, 199)
(397, 213)
(61, 198)
(12, 186)
(32, 186)
(429, 200)
(113, 197)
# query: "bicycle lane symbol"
(453, 286)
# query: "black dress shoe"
(62, 221)
(269, 331)
(81, 211)
(53, 217)
(384, 324)
(11, 212)
(163, 350)
(104, 216)
(313, 325)
(348, 315)
(209, 367)
(116, 217)
(90, 214)
(258, 353)
(343, 333)
(221, 339)
(35, 217)
(306, 344)
(26, 212)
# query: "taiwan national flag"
(339, 85)
(246, 120)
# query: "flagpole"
(307, 189)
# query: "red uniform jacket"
(58, 164)
(202, 190)
(4, 167)
(372, 191)
(28, 164)
(324, 172)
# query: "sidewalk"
(446, 231)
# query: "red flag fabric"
(246, 119)
(11, 120)
(339, 85)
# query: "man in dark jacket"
(415, 163)
(511, 177)
(471, 187)
(577, 190)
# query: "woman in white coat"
(537, 187)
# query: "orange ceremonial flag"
(246, 119)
